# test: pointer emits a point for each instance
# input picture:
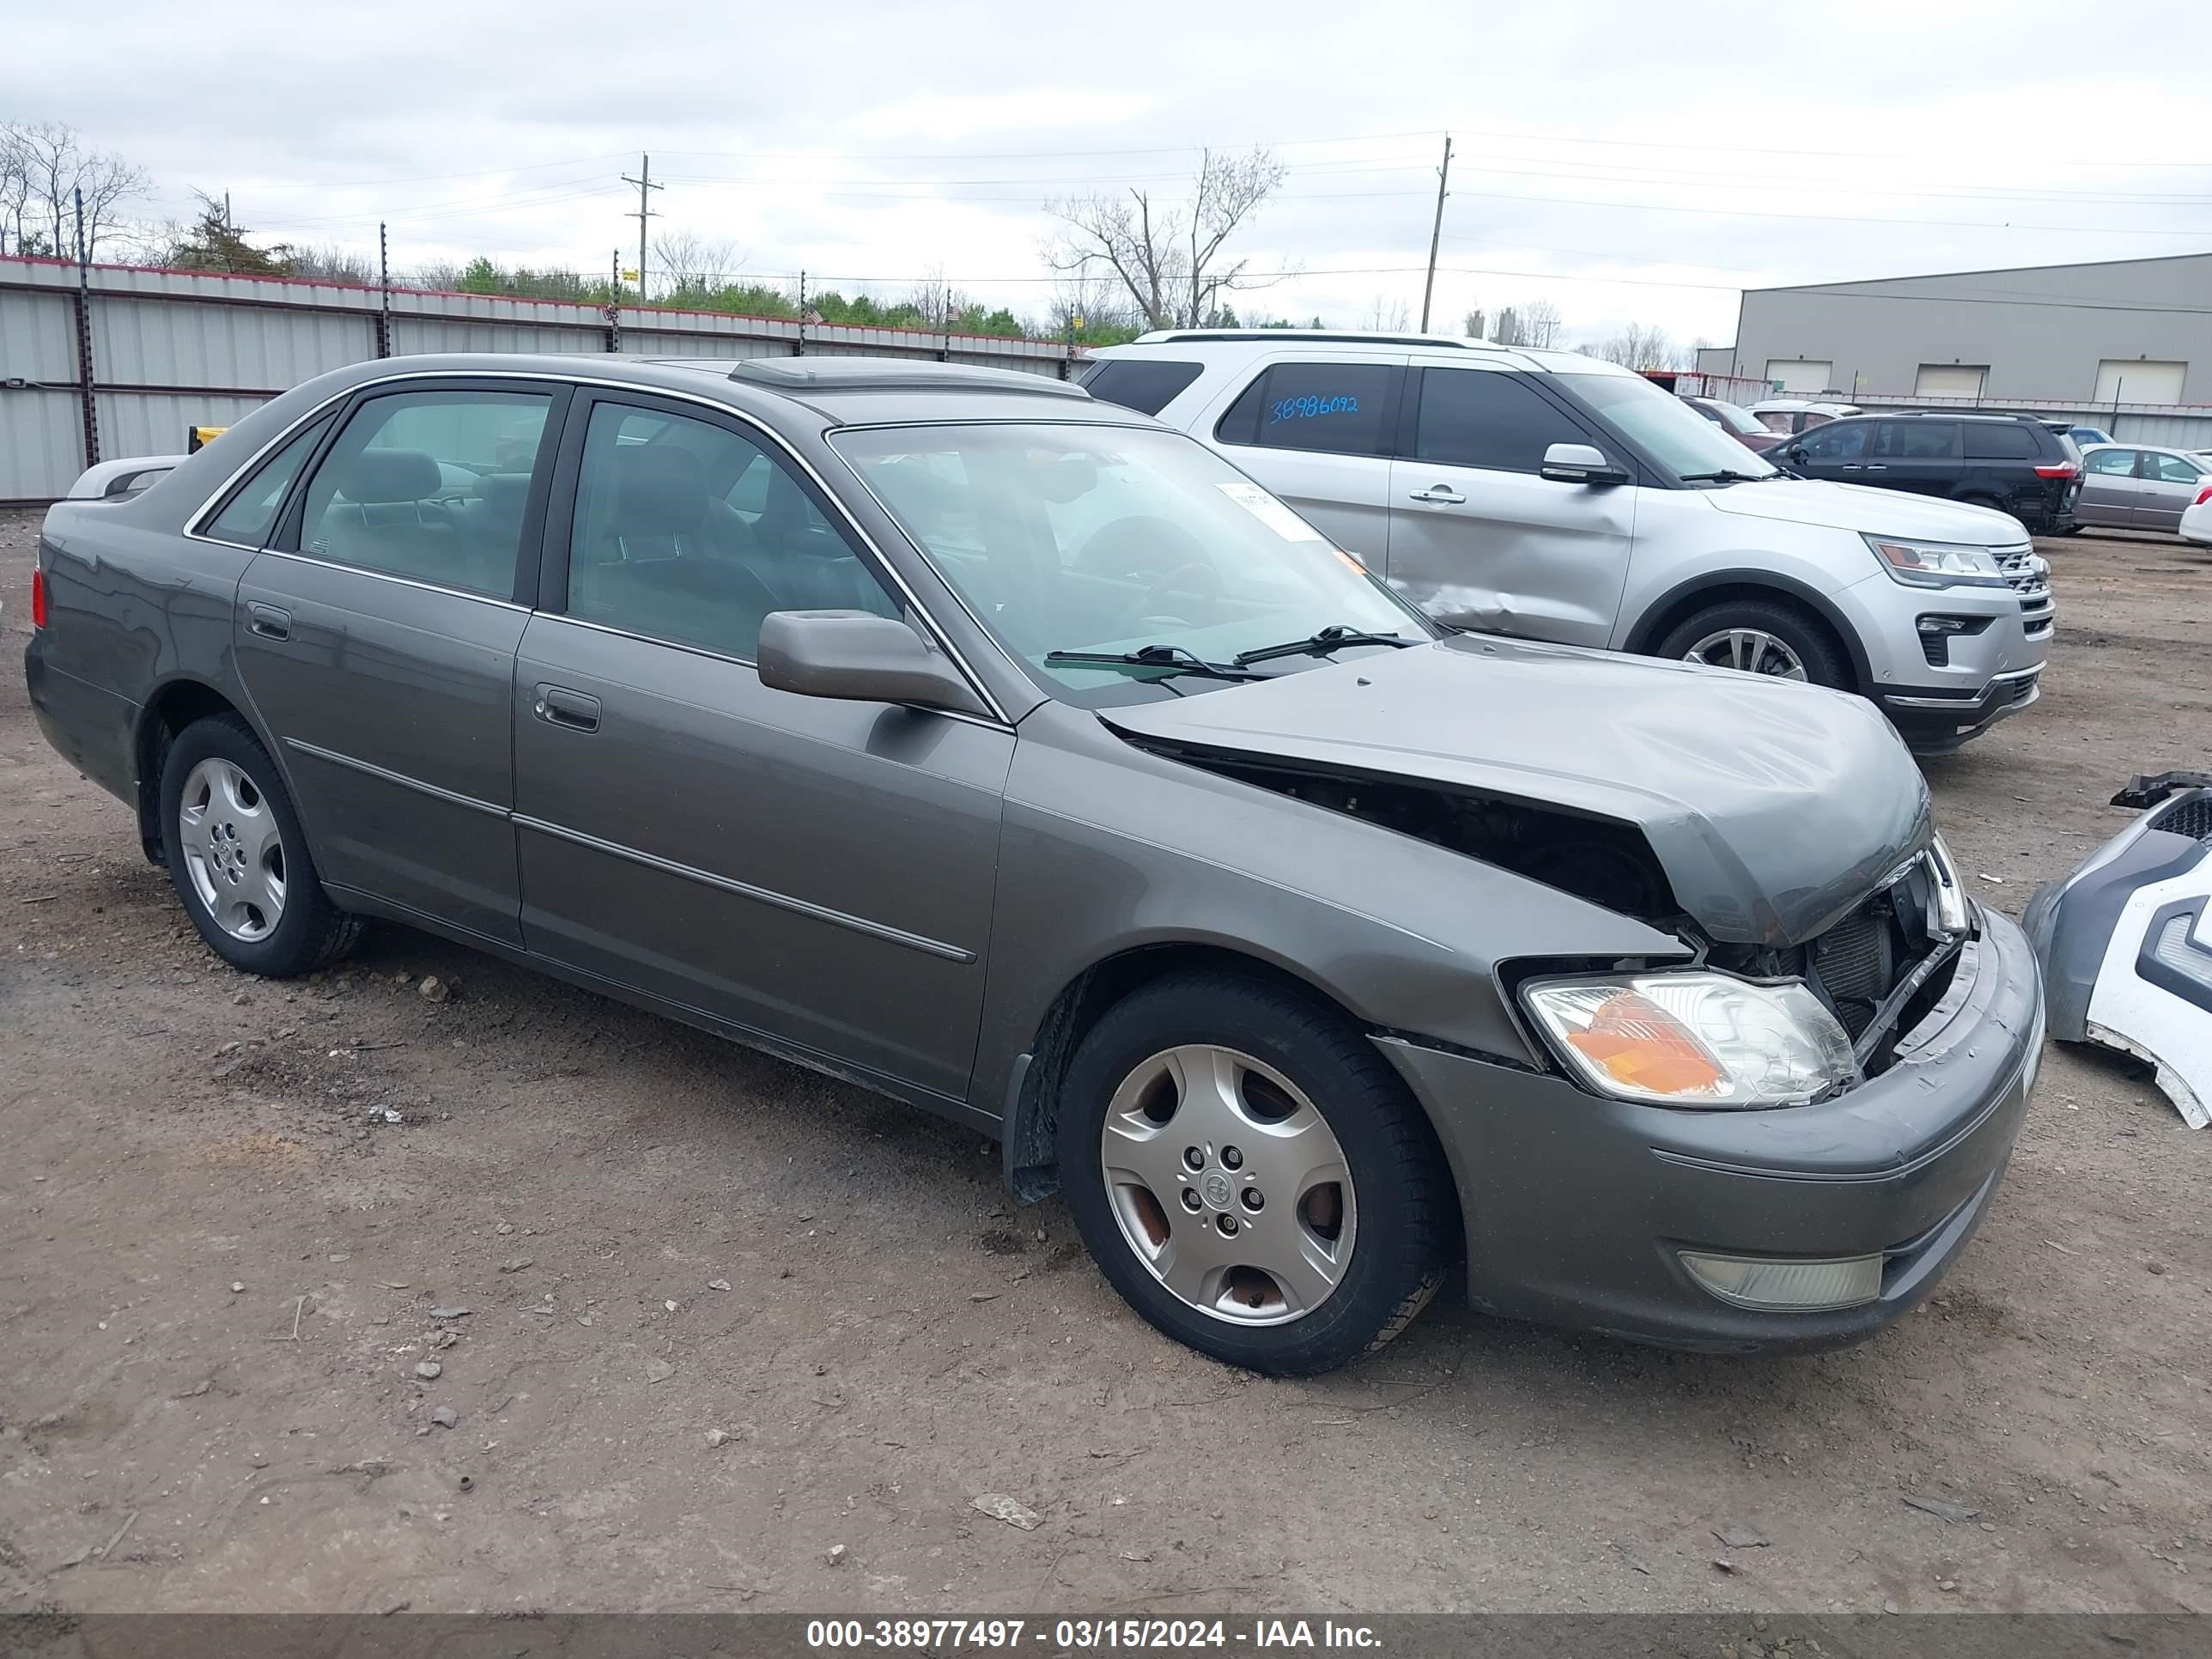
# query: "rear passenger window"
(430, 485)
(248, 516)
(1344, 409)
(688, 532)
(1480, 417)
(1143, 384)
(1989, 442)
(2112, 463)
(1918, 440)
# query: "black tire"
(310, 931)
(1791, 624)
(1401, 1197)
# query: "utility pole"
(645, 212)
(1436, 232)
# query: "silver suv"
(1554, 496)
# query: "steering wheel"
(1206, 585)
(1138, 546)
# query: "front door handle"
(268, 621)
(1875, 466)
(1443, 494)
(556, 705)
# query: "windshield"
(1670, 432)
(1735, 417)
(1108, 540)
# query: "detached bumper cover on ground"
(2126, 941)
(1578, 1209)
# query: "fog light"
(1788, 1286)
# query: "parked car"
(2140, 486)
(2014, 463)
(2196, 524)
(1006, 753)
(1548, 496)
(1737, 422)
(2083, 436)
(1793, 415)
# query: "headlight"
(1936, 564)
(1953, 915)
(1694, 1039)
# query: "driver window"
(1837, 442)
(686, 532)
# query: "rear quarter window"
(1143, 384)
(1344, 409)
(1993, 442)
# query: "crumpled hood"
(1773, 807)
(1862, 508)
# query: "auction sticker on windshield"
(1269, 511)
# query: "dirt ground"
(231, 1210)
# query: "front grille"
(2025, 574)
(2191, 815)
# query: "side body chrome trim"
(745, 890)
(452, 798)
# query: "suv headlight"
(1694, 1039)
(1936, 564)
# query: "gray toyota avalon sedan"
(1003, 751)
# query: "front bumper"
(1937, 719)
(1577, 1208)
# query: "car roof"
(1242, 344)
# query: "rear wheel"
(1772, 637)
(1251, 1176)
(238, 857)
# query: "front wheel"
(1250, 1175)
(238, 857)
(1771, 637)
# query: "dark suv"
(2015, 463)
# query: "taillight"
(2202, 496)
(2057, 470)
(38, 599)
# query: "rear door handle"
(268, 621)
(558, 706)
(1443, 494)
(1875, 466)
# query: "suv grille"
(2025, 574)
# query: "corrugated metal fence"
(109, 361)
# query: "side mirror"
(860, 657)
(1794, 452)
(1582, 464)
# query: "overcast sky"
(1628, 162)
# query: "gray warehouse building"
(2116, 334)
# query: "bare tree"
(1093, 308)
(1540, 323)
(1389, 316)
(1169, 255)
(43, 169)
(689, 260)
(1638, 346)
(331, 263)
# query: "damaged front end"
(1879, 968)
(2126, 940)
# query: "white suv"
(1550, 495)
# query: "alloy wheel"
(1749, 651)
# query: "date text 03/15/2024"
(1085, 1635)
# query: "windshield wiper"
(1320, 644)
(1729, 475)
(1172, 656)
